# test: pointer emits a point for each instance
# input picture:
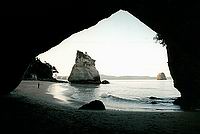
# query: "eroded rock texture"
(84, 70)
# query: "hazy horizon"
(121, 45)
(120, 75)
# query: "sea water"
(126, 95)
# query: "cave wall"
(184, 66)
(27, 31)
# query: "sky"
(121, 45)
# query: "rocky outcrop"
(161, 76)
(105, 82)
(38, 70)
(84, 70)
(93, 105)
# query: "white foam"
(104, 95)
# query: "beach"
(28, 109)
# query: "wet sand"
(29, 109)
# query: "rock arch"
(26, 31)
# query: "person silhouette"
(38, 85)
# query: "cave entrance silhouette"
(40, 28)
(47, 26)
(111, 42)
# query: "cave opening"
(28, 108)
(125, 50)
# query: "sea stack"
(84, 70)
(161, 76)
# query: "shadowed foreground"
(29, 110)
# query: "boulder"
(154, 102)
(84, 70)
(105, 82)
(93, 105)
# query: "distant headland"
(111, 77)
(38, 70)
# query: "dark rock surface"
(38, 70)
(105, 82)
(154, 98)
(190, 104)
(93, 105)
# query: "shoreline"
(112, 101)
(29, 110)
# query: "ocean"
(125, 95)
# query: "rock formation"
(93, 105)
(105, 82)
(84, 70)
(38, 70)
(161, 76)
(30, 29)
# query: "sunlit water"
(127, 95)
